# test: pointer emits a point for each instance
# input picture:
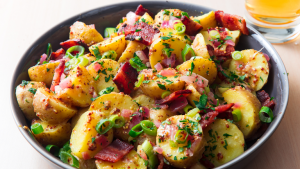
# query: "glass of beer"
(277, 20)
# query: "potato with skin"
(249, 106)
(254, 66)
(84, 131)
(87, 164)
(142, 137)
(90, 57)
(198, 165)
(144, 100)
(81, 91)
(117, 44)
(235, 35)
(55, 134)
(43, 73)
(168, 31)
(147, 18)
(179, 155)
(203, 67)
(225, 142)
(131, 161)
(87, 33)
(104, 76)
(162, 15)
(194, 96)
(50, 109)
(157, 116)
(76, 117)
(25, 97)
(207, 20)
(131, 48)
(199, 46)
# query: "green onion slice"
(186, 50)
(237, 115)
(111, 54)
(119, 121)
(141, 79)
(237, 55)
(78, 48)
(137, 63)
(109, 31)
(185, 14)
(104, 126)
(181, 136)
(136, 130)
(165, 94)
(67, 158)
(167, 51)
(214, 34)
(49, 51)
(53, 149)
(37, 128)
(266, 110)
(173, 143)
(152, 158)
(149, 127)
(187, 108)
(66, 147)
(207, 90)
(193, 112)
(83, 61)
(179, 28)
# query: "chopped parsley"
(271, 98)
(121, 21)
(228, 37)
(160, 76)
(32, 90)
(225, 146)
(47, 69)
(175, 158)
(226, 135)
(97, 77)
(156, 108)
(146, 81)
(166, 12)
(180, 149)
(93, 139)
(163, 87)
(185, 14)
(137, 30)
(261, 79)
(165, 37)
(97, 53)
(24, 83)
(197, 20)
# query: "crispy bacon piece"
(57, 74)
(59, 54)
(208, 118)
(232, 22)
(125, 78)
(226, 115)
(192, 27)
(265, 99)
(115, 151)
(73, 42)
(141, 11)
(173, 96)
(178, 104)
(204, 161)
(223, 108)
(161, 161)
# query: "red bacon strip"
(73, 42)
(265, 99)
(115, 151)
(57, 74)
(59, 54)
(192, 27)
(223, 108)
(208, 118)
(232, 22)
(173, 96)
(125, 78)
(141, 11)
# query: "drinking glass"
(277, 20)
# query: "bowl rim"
(55, 161)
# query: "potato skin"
(84, 131)
(25, 98)
(43, 73)
(224, 140)
(50, 109)
(131, 48)
(199, 46)
(76, 117)
(55, 134)
(81, 92)
(87, 33)
(249, 106)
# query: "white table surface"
(22, 22)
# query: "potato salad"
(156, 91)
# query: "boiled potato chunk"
(81, 92)
(199, 46)
(179, 155)
(162, 16)
(249, 106)
(254, 66)
(203, 67)
(87, 164)
(43, 73)
(160, 115)
(158, 85)
(168, 31)
(87, 33)
(55, 134)
(156, 54)
(198, 165)
(142, 138)
(144, 100)
(83, 133)
(50, 109)
(194, 96)
(25, 97)
(148, 19)
(117, 44)
(225, 142)
(234, 34)
(90, 57)
(131, 48)
(104, 76)
(207, 20)
(131, 161)
(76, 117)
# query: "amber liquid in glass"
(274, 11)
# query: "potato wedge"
(144, 100)
(199, 46)
(224, 142)
(160, 115)
(87, 33)
(104, 76)
(156, 53)
(147, 18)
(81, 92)
(179, 155)
(136, 162)
(131, 48)
(254, 66)
(207, 20)
(76, 117)
(43, 73)
(194, 96)
(117, 44)
(25, 97)
(235, 35)
(84, 131)
(55, 134)
(203, 67)
(168, 31)
(249, 106)
(164, 15)
(50, 109)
